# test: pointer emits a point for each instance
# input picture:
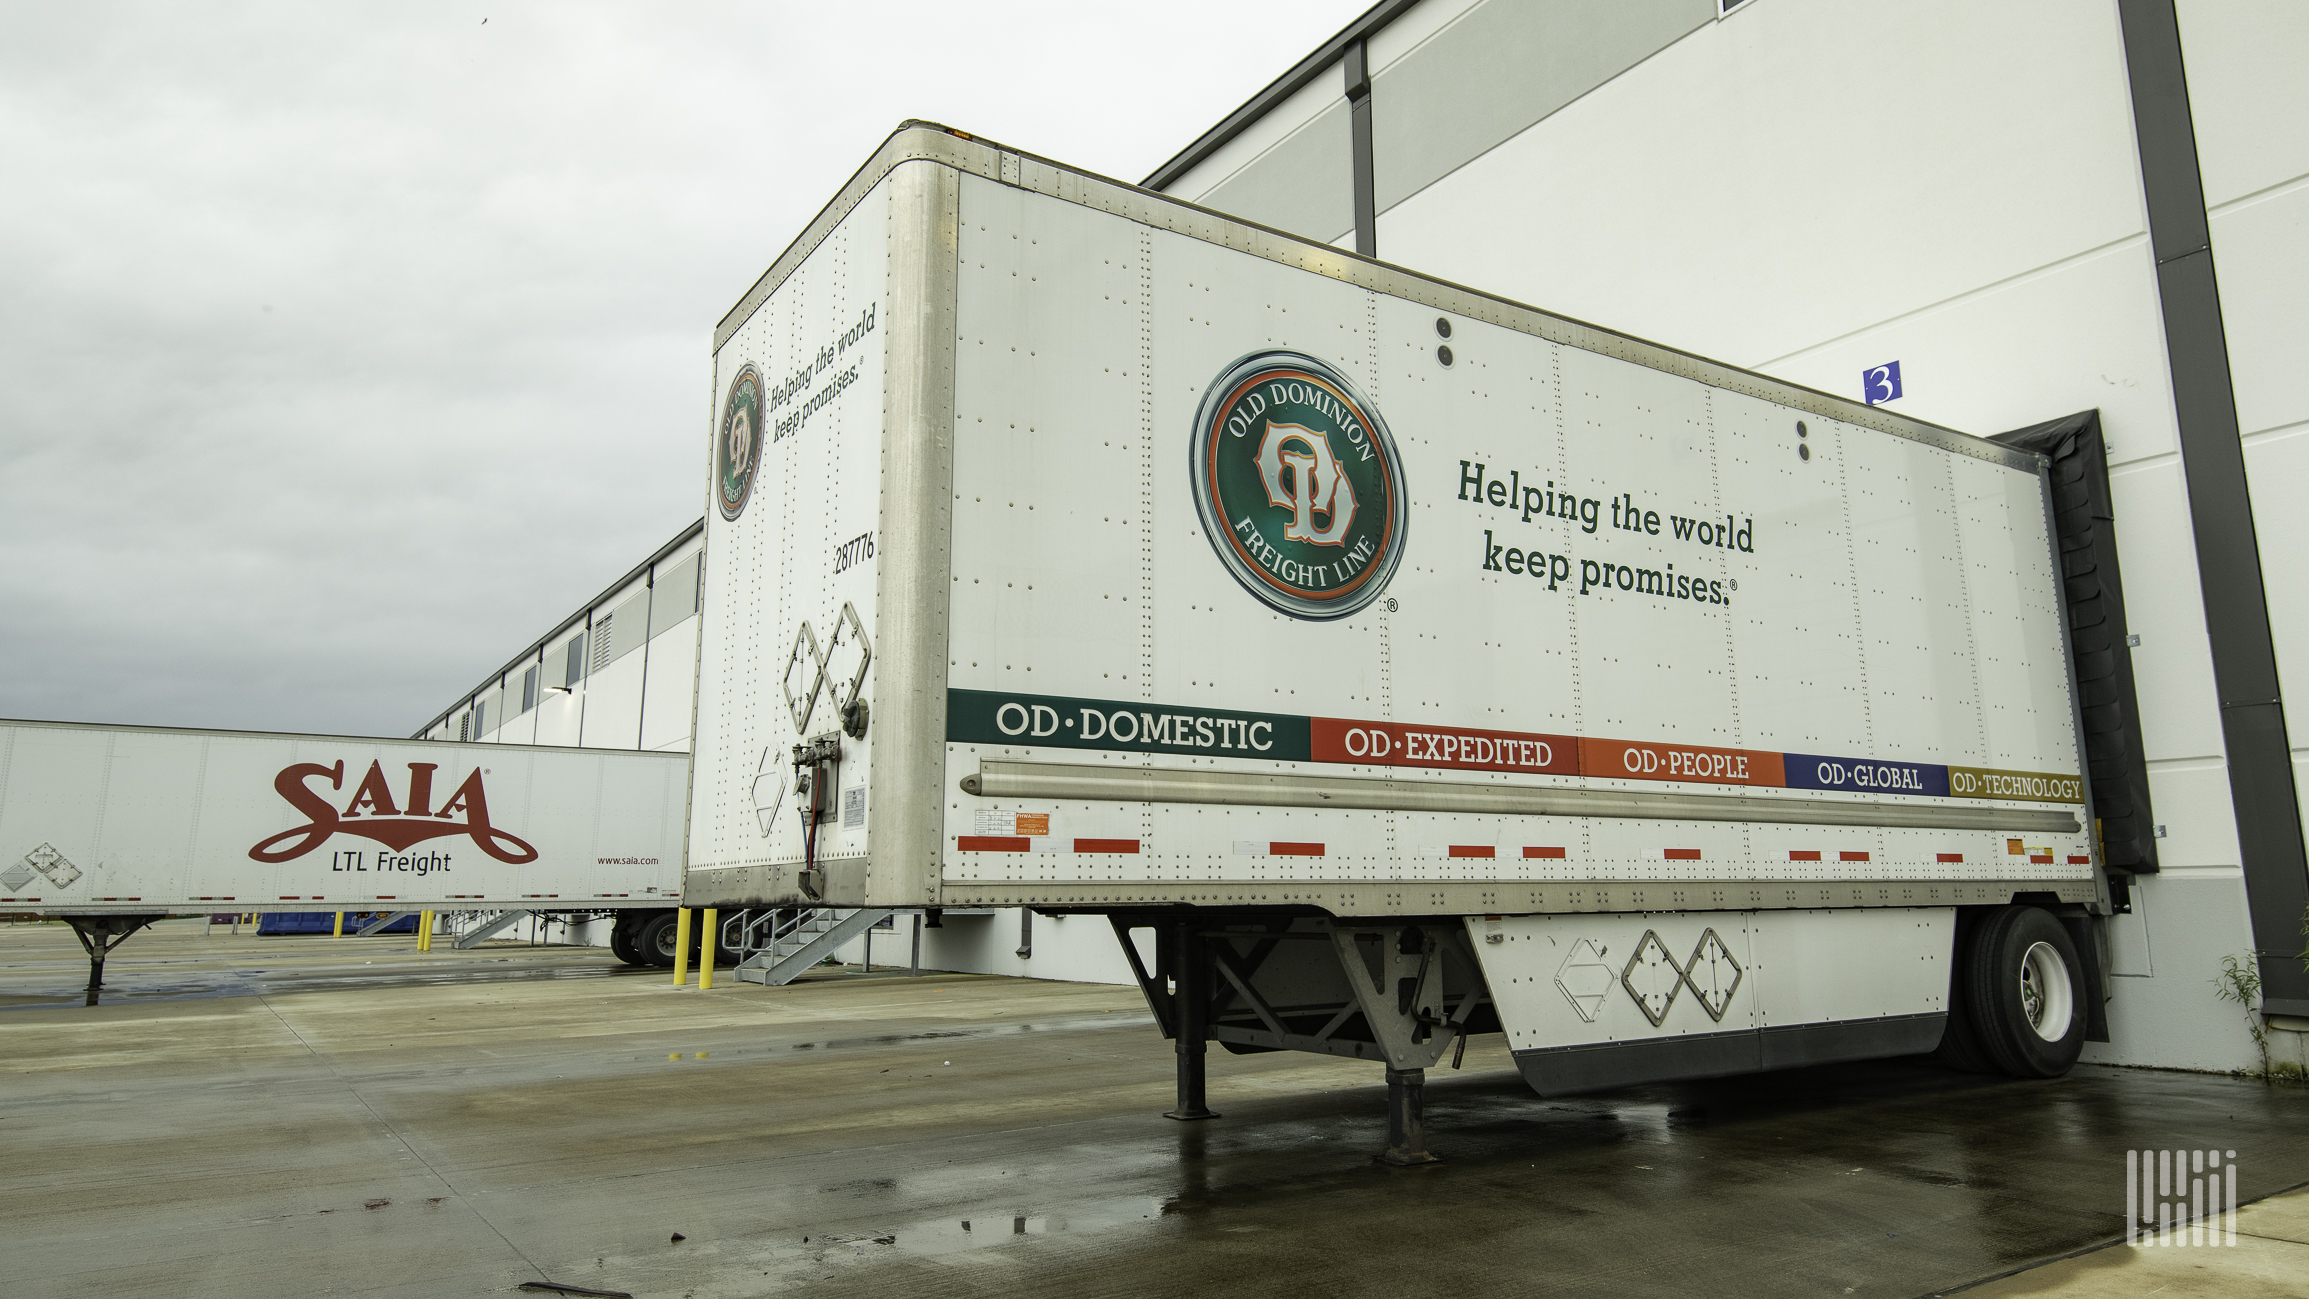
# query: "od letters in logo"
(1298, 485)
(738, 448)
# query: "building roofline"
(565, 624)
(1278, 90)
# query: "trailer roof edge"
(245, 733)
(940, 145)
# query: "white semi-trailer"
(113, 827)
(1413, 662)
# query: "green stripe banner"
(1056, 721)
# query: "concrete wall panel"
(1302, 184)
(2261, 253)
(1252, 143)
(1413, 28)
(1498, 68)
(2084, 334)
(672, 677)
(1757, 188)
(2278, 464)
(2191, 797)
(2173, 665)
(2246, 86)
(613, 705)
(2174, 1021)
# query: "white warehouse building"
(1996, 217)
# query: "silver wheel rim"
(2047, 1000)
(665, 941)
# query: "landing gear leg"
(98, 935)
(1192, 962)
(1396, 971)
(1406, 1119)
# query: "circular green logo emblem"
(738, 450)
(1298, 485)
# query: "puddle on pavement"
(984, 1229)
(1071, 1024)
(60, 984)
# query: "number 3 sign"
(1881, 383)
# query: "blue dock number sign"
(1881, 383)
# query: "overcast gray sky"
(345, 348)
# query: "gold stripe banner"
(2037, 786)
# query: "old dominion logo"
(738, 449)
(1298, 485)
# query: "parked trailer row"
(1410, 662)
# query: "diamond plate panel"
(1713, 975)
(806, 657)
(769, 791)
(52, 864)
(1583, 979)
(1653, 978)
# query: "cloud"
(347, 348)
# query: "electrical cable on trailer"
(811, 759)
(808, 807)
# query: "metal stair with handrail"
(776, 947)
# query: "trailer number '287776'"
(857, 550)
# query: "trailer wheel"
(2023, 993)
(1960, 1042)
(654, 940)
(621, 943)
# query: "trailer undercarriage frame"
(1403, 992)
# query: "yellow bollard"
(706, 951)
(424, 931)
(340, 926)
(681, 947)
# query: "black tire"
(2024, 992)
(1960, 1043)
(621, 944)
(653, 939)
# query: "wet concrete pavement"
(44, 965)
(422, 1131)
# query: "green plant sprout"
(2240, 982)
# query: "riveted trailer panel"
(1218, 568)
